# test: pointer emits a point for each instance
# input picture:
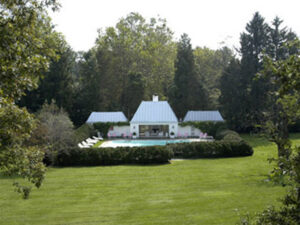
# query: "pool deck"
(110, 144)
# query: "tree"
(54, 132)
(285, 96)
(258, 40)
(230, 88)
(279, 38)
(133, 93)
(187, 92)
(89, 94)
(209, 65)
(254, 42)
(57, 83)
(133, 46)
(27, 44)
(285, 74)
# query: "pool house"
(154, 119)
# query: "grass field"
(204, 191)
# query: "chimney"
(155, 98)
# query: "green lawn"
(97, 145)
(200, 191)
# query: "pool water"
(139, 143)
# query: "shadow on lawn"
(256, 140)
(8, 177)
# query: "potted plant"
(134, 135)
(172, 134)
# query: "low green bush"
(216, 149)
(208, 127)
(221, 133)
(113, 156)
(232, 137)
(83, 132)
(103, 128)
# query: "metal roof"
(104, 117)
(154, 112)
(203, 116)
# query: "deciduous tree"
(27, 44)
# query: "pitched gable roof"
(105, 117)
(203, 116)
(154, 112)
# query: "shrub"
(232, 137)
(83, 132)
(208, 127)
(221, 133)
(113, 156)
(104, 127)
(215, 149)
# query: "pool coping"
(108, 143)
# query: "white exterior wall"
(134, 127)
(188, 131)
(118, 131)
(173, 127)
(179, 131)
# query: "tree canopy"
(27, 44)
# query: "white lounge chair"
(93, 141)
(97, 138)
(82, 146)
(87, 144)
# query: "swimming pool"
(139, 143)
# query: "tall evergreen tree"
(133, 94)
(89, 95)
(279, 37)
(254, 42)
(187, 92)
(259, 39)
(230, 89)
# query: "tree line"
(129, 63)
(137, 58)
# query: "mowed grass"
(204, 191)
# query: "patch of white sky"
(210, 23)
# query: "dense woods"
(137, 58)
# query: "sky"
(210, 23)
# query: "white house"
(154, 119)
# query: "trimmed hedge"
(216, 149)
(113, 156)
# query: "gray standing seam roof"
(154, 112)
(104, 117)
(203, 116)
